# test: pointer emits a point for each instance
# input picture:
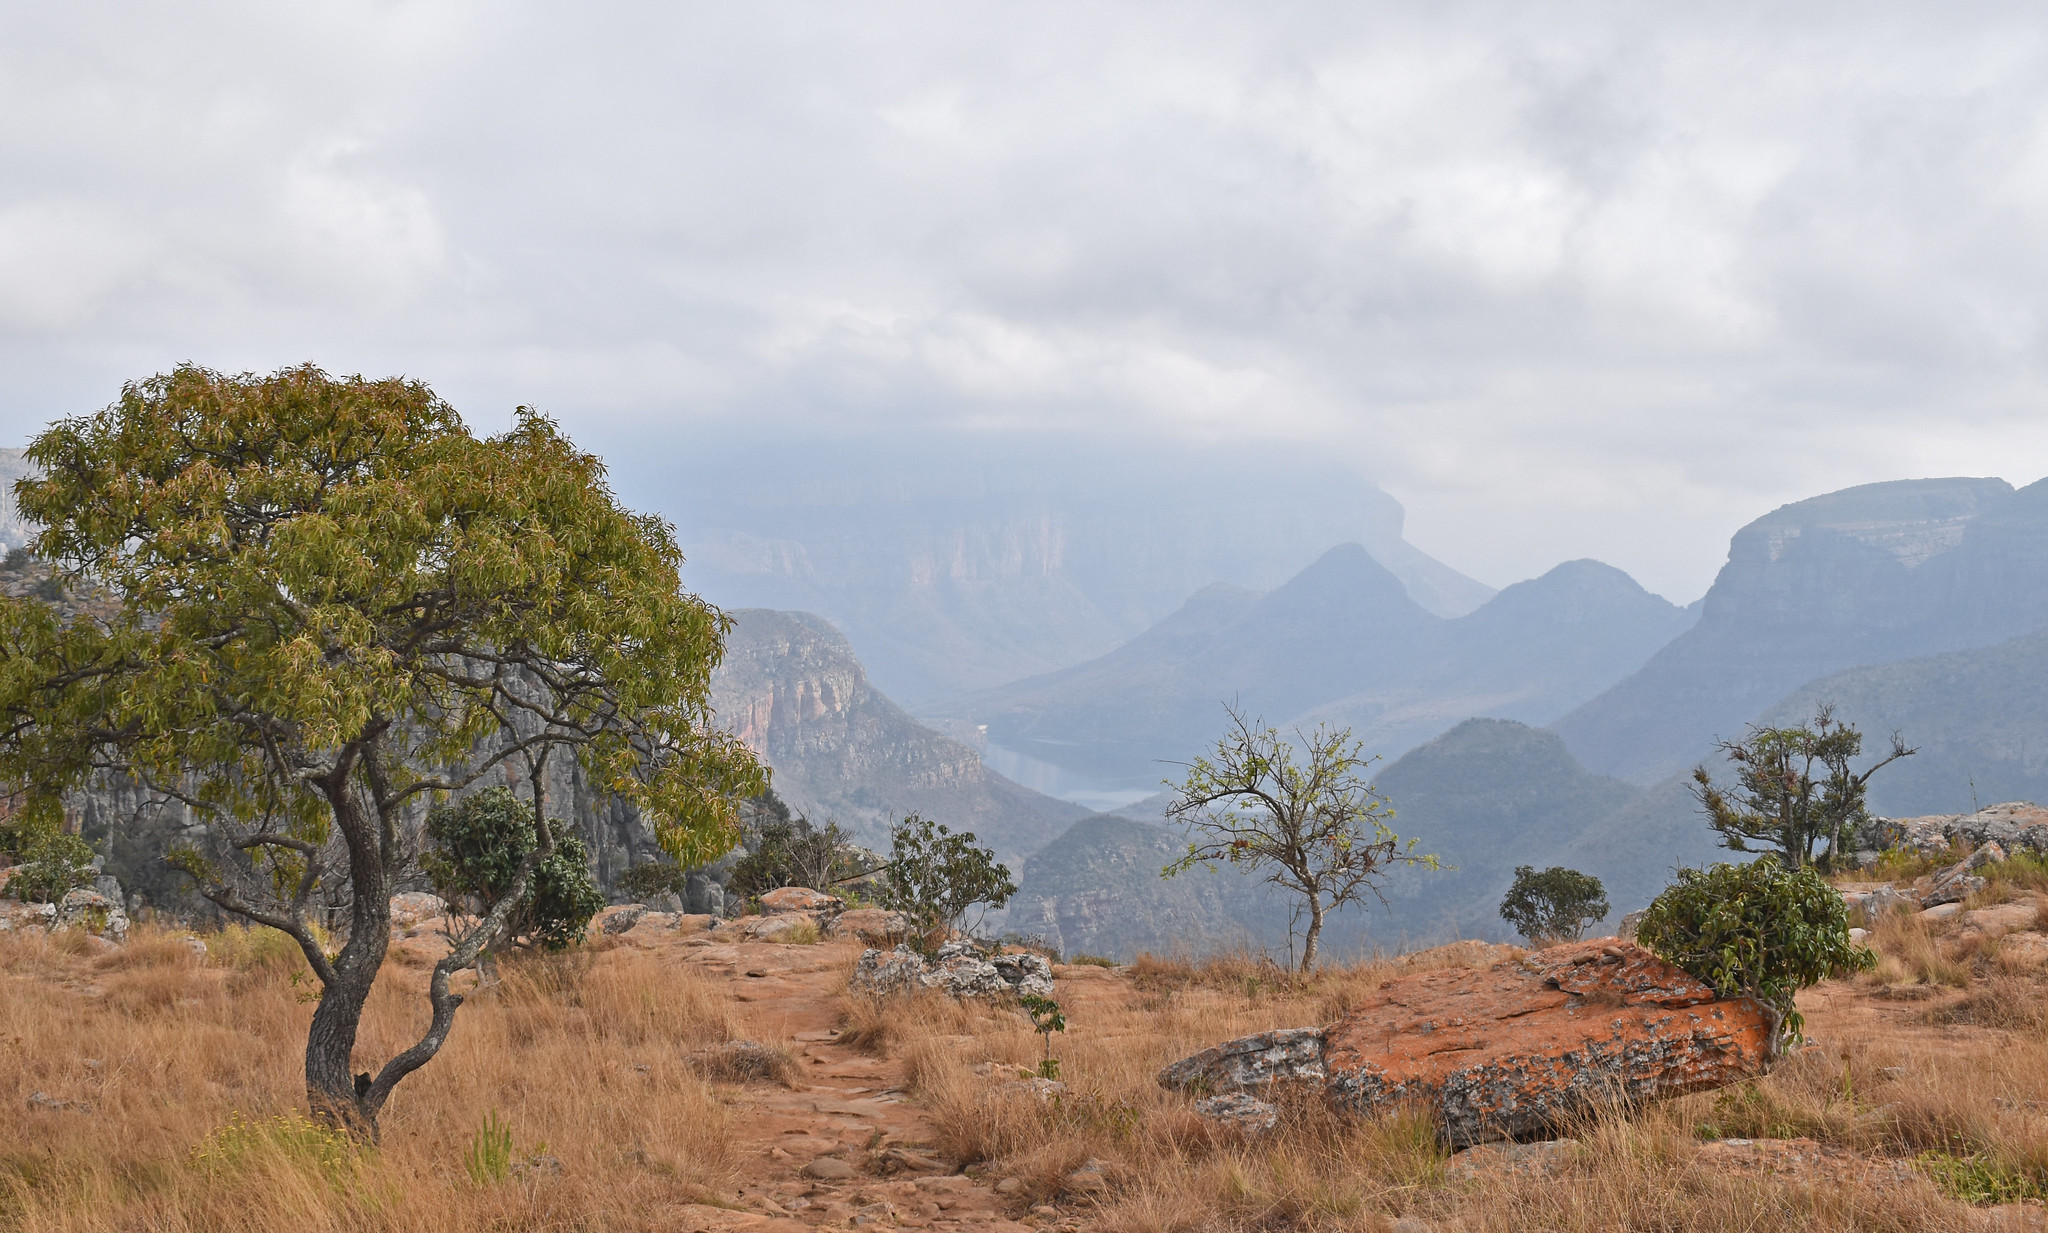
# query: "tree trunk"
(334, 1093)
(1315, 932)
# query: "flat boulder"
(1513, 1050)
(799, 899)
(875, 926)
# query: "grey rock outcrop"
(83, 908)
(2016, 826)
(961, 969)
(1251, 1063)
(1957, 882)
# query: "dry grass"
(190, 1069)
(1169, 1171)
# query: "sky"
(1567, 280)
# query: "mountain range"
(954, 566)
(1341, 642)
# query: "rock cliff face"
(1869, 575)
(792, 689)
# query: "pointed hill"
(1343, 642)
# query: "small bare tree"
(1311, 820)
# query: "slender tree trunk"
(1315, 933)
(334, 1093)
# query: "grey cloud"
(1568, 280)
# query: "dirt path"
(844, 1145)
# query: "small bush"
(936, 877)
(1758, 929)
(651, 879)
(1981, 1179)
(489, 1157)
(48, 861)
(1555, 905)
(479, 845)
(1094, 961)
(289, 1138)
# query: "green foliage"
(1794, 790)
(480, 845)
(1046, 1018)
(935, 877)
(1555, 905)
(289, 1138)
(790, 851)
(489, 1156)
(1312, 821)
(650, 879)
(1758, 929)
(48, 860)
(327, 599)
(1982, 1179)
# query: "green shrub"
(935, 877)
(479, 845)
(1758, 929)
(489, 1157)
(789, 851)
(1555, 905)
(48, 861)
(652, 879)
(291, 1139)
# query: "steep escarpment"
(792, 689)
(1869, 575)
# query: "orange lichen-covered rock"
(1511, 1050)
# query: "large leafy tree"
(1794, 790)
(330, 604)
(1308, 818)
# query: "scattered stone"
(829, 1169)
(197, 946)
(1857, 935)
(93, 912)
(1288, 1055)
(415, 910)
(888, 971)
(1957, 882)
(1091, 1178)
(27, 915)
(1544, 1156)
(2002, 918)
(45, 1103)
(1513, 1050)
(1410, 1224)
(1010, 1187)
(1035, 1087)
(1630, 922)
(875, 926)
(777, 928)
(800, 899)
(537, 1165)
(1239, 1111)
(1873, 905)
(619, 918)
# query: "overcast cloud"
(1601, 280)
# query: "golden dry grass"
(585, 1054)
(1169, 1171)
